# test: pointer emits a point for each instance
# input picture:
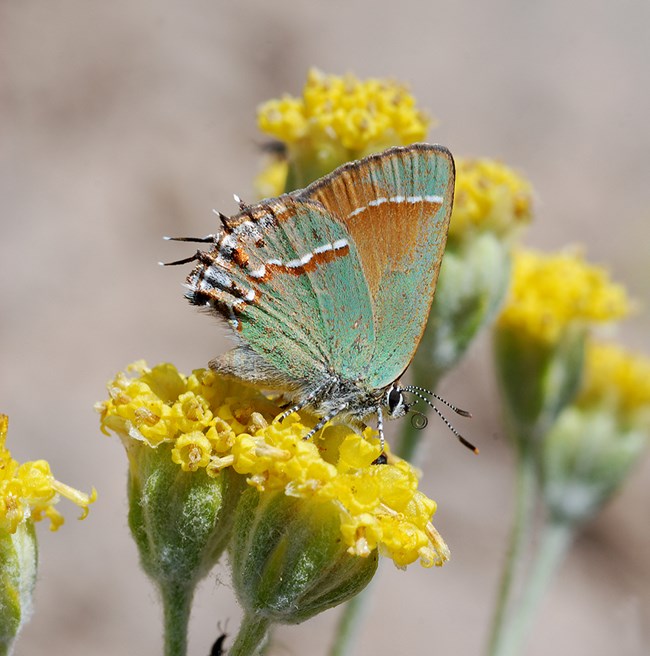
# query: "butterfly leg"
(380, 428)
(302, 403)
(324, 420)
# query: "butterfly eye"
(395, 402)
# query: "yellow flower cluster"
(617, 377)
(549, 293)
(31, 491)
(215, 423)
(489, 195)
(356, 114)
(380, 506)
(162, 405)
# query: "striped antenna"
(414, 390)
(458, 411)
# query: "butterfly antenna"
(459, 437)
(451, 406)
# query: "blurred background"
(121, 122)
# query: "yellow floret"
(192, 451)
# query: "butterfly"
(328, 289)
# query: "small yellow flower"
(549, 293)
(359, 115)
(31, 491)
(192, 451)
(214, 423)
(489, 196)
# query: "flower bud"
(289, 560)
(537, 379)
(180, 502)
(595, 442)
(180, 520)
(19, 557)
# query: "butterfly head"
(395, 402)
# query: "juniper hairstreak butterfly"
(328, 288)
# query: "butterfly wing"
(396, 206)
(285, 273)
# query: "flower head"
(359, 114)
(162, 405)
(336, 119)
(379, 506)
(489, 196)
(549, 293)
(30, 491)
(212, 424)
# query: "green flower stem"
(526, 482)
(555, 542)
(177, 603)
(252, 637)
(349, 624)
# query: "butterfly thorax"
(352, 402)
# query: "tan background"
(125, 121)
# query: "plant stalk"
(525, 494)
(556, 539)
(252, 637)
(177, 604)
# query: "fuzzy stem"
(556, 539)
(519, 537)
(252, 637)
(177, 604)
